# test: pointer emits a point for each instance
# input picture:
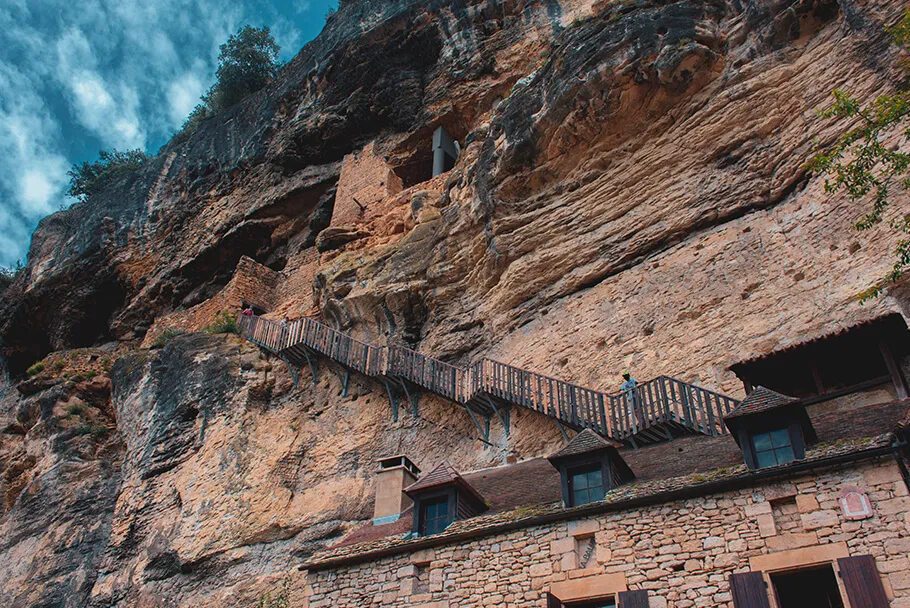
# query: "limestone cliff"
(631, 192)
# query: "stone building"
(803, 503)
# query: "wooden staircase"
(654, 411)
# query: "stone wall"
(366, 179)
(251, 282)
(682, 552)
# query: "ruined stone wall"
(682, 552)
(366, 179)
(252, 282)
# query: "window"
(586, 485)
(434, 516)
(604, 603)
(773, 448)
(810, 588)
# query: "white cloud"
(76, 76)
(183, 95)
(28, 137)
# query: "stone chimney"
(394, 475)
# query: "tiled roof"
(761, 399)
(531, 482)
(584, 442)
(442, 474)
(371, 532)
(529, 489)
(616, 496)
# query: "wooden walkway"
(654, 411)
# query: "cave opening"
(428, 162)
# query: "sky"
(80, 76)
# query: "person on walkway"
(628, 389)
(247, 312)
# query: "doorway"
(809, 588)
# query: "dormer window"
(773, 448)
(586, 484)
(771, 429)
(440, 497)
(435, 515)
(589, 467)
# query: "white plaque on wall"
(854, 503)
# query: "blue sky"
(79, 76)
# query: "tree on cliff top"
(246, 62)
(87, 179)
(860, 164)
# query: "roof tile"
(584, 442)
(761, 399)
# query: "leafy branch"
(861, 165)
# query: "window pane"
(579, 497)
(435, 516)
(587, 486)
(580, 481)
(761, 441)
(766, 459)
(780, 438)
(594, 479)
(784, 454)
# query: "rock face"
(631, 193)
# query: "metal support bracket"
(503, 413)
(562, 429)
(483, 430)
(294, 371)
(344, 376)
(312, 361)
(393, 400)
(412, 394)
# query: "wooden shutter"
(632, 599)
(749, 590)
(553, 601)
(862, 581)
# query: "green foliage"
(246, 63)
(35, 369)
(165, 336)
(9, 275)
(59, 364)
(330, 12)
(866, 169)
(90, 374)
(279, 600)
(95, 430)
(88, 178)
(75, 409)
(224, 323)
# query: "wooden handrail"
(662, 401)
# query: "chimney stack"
(394, 475)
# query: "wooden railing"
(662, 402)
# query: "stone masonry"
(366, 178)
(682, 552)
(252, 282)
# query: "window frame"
(766, 423)
(450, 496)
(585, 469)
(594, 603)
(773, 450)
(575, 464)
(774, 582)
